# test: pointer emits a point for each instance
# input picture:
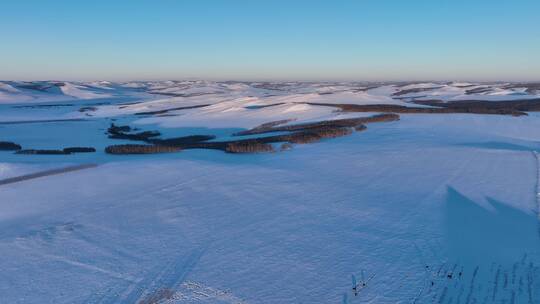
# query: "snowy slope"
(79, 92)
(272, 228)
(350, 92)
(466, 91)
(47, 91)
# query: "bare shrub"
(248, 147)
(140, 149)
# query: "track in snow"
(26, 177)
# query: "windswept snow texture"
(357, 93)
(433, 208)
(44, 91)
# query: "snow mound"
(79, 92)
(51, 91)
(8, 88)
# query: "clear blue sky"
(304, 40)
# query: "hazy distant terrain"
(269, 192)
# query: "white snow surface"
(429, 209)
(78, 92)
(49, 91)
(9, 170)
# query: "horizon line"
(272, 80)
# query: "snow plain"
(434, 208)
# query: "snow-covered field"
(433, 208)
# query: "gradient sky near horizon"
(270, 40)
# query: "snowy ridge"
(246, 105)
(362, 92)
(79, 92)
(46, 91)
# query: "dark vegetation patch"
(126, 104)
(248, 147)
(326, 124)
(465, 85)
(140, 149)
(415, 90)
(122, 132)
(41, 152)
(87, 109)
(167, 115)
(9, 146)
(184, 94)
(114, 129)
(315, 135)
(411, 97)
(155, 145)
(515, 108)
(296, 134)
(259, 144)
(264, 106)
(171, 109)
(79, 150)
(179, 141)
(142, 136)
(65, 151)
(478, 90)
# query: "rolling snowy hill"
(440, 206)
